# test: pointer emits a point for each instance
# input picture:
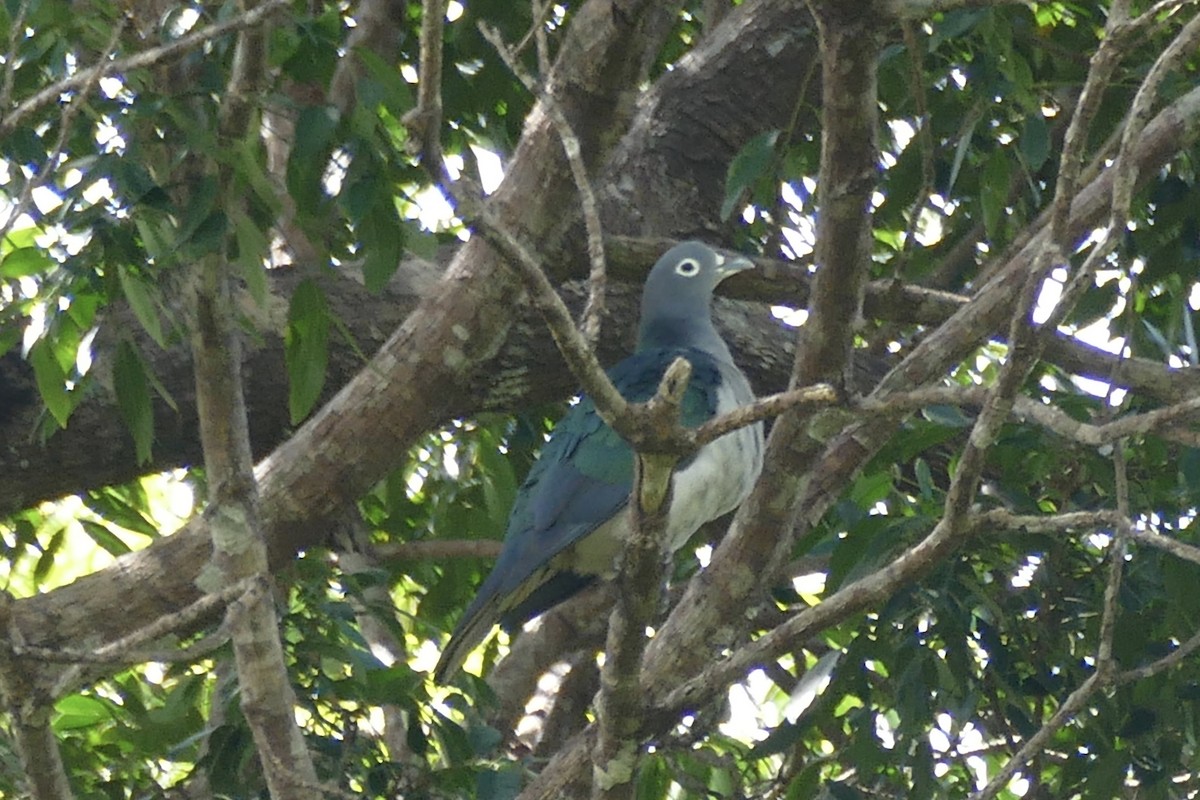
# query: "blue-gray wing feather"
(582, 479)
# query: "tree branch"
(593, 312)
(424, 121)
(640, 578)
(30, 709)
(239, 549)
(754, 545)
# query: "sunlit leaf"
(80, 711)
(104, 538)
(141, 300)
(51, 380)
(24, 261)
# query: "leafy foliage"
(923, 696)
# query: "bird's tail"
(472, 629)
(510, 605)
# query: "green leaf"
(105, 538)
(993, 193)
(124, 506)
(51, 380)
(306, 348)
(415, 736)
(19, 238)
(960, 152)
(393, 90)
(310, 155)
(79, 711)
(25, 261)
(503, 783)
(382, 234)
(924, 478)
(654, 778)
(133, 398)
(202, 198)
(420, 242)
(50, 551)
(746, 168)
(252, 245)
(954, 24)
(1035, 142)
(141, 300)
(9, 338)
(245, 157)
(948, 416)
(156, 237)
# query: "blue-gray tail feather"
(486, 611)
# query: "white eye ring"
(688, 268)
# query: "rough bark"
(440, 351)
(155, 581)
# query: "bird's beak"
(730, 266)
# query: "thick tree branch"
(640, 578)
(440, 351)
(754, 547)
(992, 304)
(239, 548)
(29, 708)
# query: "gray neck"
(696, 331)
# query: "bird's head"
(679, 290)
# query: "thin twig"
(1172, 659)
(540, 40)
(1125, 171)
(1044, 523)
(1026, 347)
(1103, 676)
(436, 550)
(821, 394)
(1161, 7)
(66, 117)
(119, 651)
(145, 58)
(782, 146)
(1058, 421)
(10, 57)
(536, 32)
(424, 122)
(593, 311)
(1065, 713)
(1166, 543)
(924, 136)
(576, 351)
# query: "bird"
(569, 520)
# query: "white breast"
(721, 475)
(714, 483)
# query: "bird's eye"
(688, 267)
